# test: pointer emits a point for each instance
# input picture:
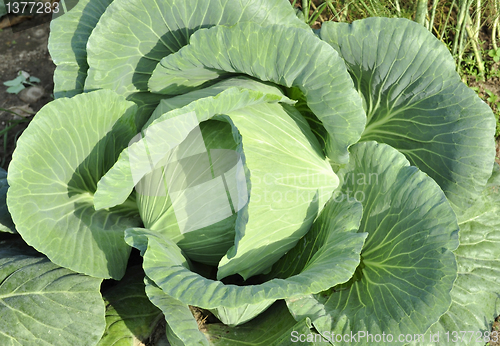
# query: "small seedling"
(19, 83)
(492, 97)
(495, 54)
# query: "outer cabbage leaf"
(130, 317)
(42, 304)
(274, 327)
(240, 82)
(182, 328)
(132, 36)
(407, 269)
(475, 299)
(328, 248)
(235, 316)
(302, 60)
(336, 217)
(331, 262)
(67, 45)
(416, 102)
(70, 33)
(54, 172)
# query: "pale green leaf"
(302, 60)
(53, 175)
(416, 102)
(16, 81)
(15, 89)
(475, 295)
(289, 182)
(130, 316)
(407, 270)
(215, 157)
(274, 327)
(68, 38)
(235, 316)
(132, 36)
(42, 304)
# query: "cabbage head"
(302, 187)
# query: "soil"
(25, 49)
